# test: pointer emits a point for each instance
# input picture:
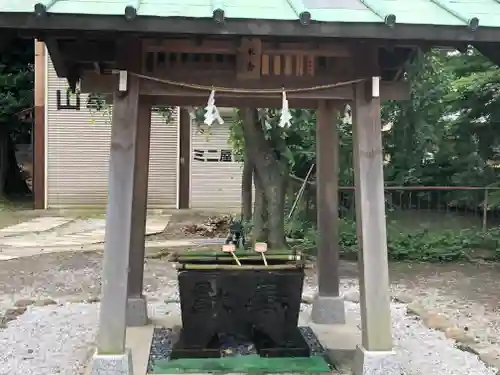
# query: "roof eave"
(262, 28)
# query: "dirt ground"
(182, 220)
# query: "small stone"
(416, 308)
(403, 298)
(92, 299)
(77, 300)
(3, 322)
(45, 302)
(24, 303)
(352, 297)
(437, 321)
(14, 312)
(308, 300)
(460, 335)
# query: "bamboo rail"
(191, 258)
(420, 188)
(253, 267)
(403, 187)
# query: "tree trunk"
(260, 213)
(246, 190)
(15, 184)
(275, 191)
(11, 178)
(4, 147)
(270, 176)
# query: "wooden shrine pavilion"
(321, 53)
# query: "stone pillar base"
(118, 364)
(328, 310)
(375, 363)
(137, 312)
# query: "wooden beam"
(88, 51)
(230, 46)
(191, 45)
(229, 102)
(341, 44)
(92, 82)
(58, 59)
(249, 27)
(236, 102)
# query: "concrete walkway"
(61, 234)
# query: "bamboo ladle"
(230, 248)
(261, 247)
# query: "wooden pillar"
(370, 220)
(328, 308)
(184, 158)
(38, 143)
(136, 303)
(122, 169)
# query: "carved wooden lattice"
(288, 65)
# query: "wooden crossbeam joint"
(218, 13)
(41, 8)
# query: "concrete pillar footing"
(328, 310)
(137, 312)
(112, 364)
(376, 362)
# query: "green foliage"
(16, 87)
(296, 143)
(447, 134)
(414, 245)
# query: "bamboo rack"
(280, 255)
(253, 267)
(222, 258)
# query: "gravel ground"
(49, 340)
(56, 339)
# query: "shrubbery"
(416, 245)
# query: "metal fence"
(435, 207)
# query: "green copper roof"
(471, 13)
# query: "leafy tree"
(16, 95)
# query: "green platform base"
(235, 357)
(250, 364)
